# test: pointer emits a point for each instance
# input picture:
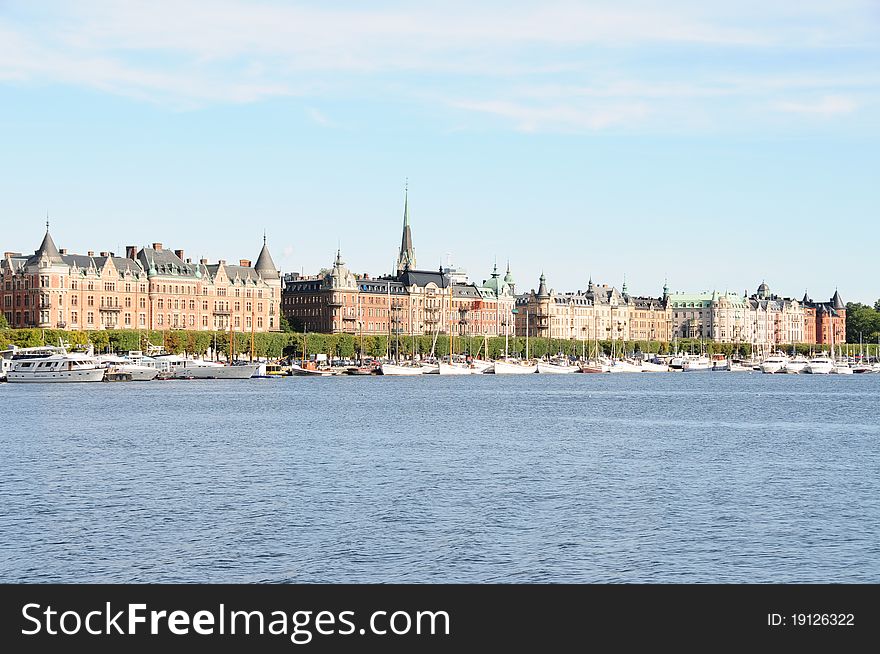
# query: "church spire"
(407, 256)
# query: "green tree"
(3, 323)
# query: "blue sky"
(713, 144)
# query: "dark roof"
(165, 262)
(836, 302)
(265, 266)
(47, 249)
(423, 278)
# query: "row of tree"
(296, 345)
(862, 322)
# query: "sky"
(711, 144)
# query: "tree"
(5, 325)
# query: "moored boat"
(513, 368)
(52, 364)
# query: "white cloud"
(319, 117)
(830, 105)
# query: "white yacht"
(183, 368)
(137, 370)
(841, 369)
(52, 364)
(652, 366)
(796, 364)
(513, 368)
(773, 364)
(819, 365)
(624, 366)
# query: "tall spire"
(48, 248)
(407, 256)
(542, 287)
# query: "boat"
(400, 370)
(125, 365)
(653, 366)
(310, 370)
(739, 366)
(720, 363)
(796, 365)
(360, 370)
(696, 364)
(594, 367)
(624, 366)
(556, 367)
(841, 369)
(52, 364)
(456, 368)
(819, 365)
(184, 368)
(430, 368)
(773, 364)
(511, 367)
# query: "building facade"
(599, 313)
(408, 302)
(825, 321)
(148, 288)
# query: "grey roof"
(836, 302)
(242, 273)
(265, 266)
(47, 249)
(165, 262)
(411, 277)
(542, 287)
(407, 256)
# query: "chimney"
(179, 254)
(204, 262)
(63, 251)
(105, 254)
(131, 251)
(189, 260)
(90, 253)
(157, 247)
(244, 263)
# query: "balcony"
(221, 312)
(110, 307)
(334, 301)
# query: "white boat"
(773, 364)
(481, 364)
(737, 366)
(696, 364)
(400, 370)
(624, 366)
(457, 368)
(841, 369)
(430, 368)
(138, 371)
(650, 366)
(197, 369)
(820, 365)
(305, 371)
(796, 365)
(52, 364)
(720, 363)
(513, 368)
(556, 367)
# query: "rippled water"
(560, 478)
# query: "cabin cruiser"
(696, 364)
(819, 365)
(653, 366)
(183, 368)
(51, 364)
(841, 368)
(774, 364)
(720, 363)
(796, 365)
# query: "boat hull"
(552, 369)
(505, 368)
(457, 369)
(218, 372)
(61, 376)
(394, 370)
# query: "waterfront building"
(148, 288)
(408, 302)
(601, 312)
(824, 319)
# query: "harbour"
(548, 478)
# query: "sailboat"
(510, 367)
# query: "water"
(700, 477)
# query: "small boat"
(624, 366)
(720, 363)
(456, 368)
(511, 367)
(696, 364)
(556, 366)
(841, 369)
(306, 371)
(796, 365)
(594, 367)
(652, 366)
(400, 370)
(136, 370)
